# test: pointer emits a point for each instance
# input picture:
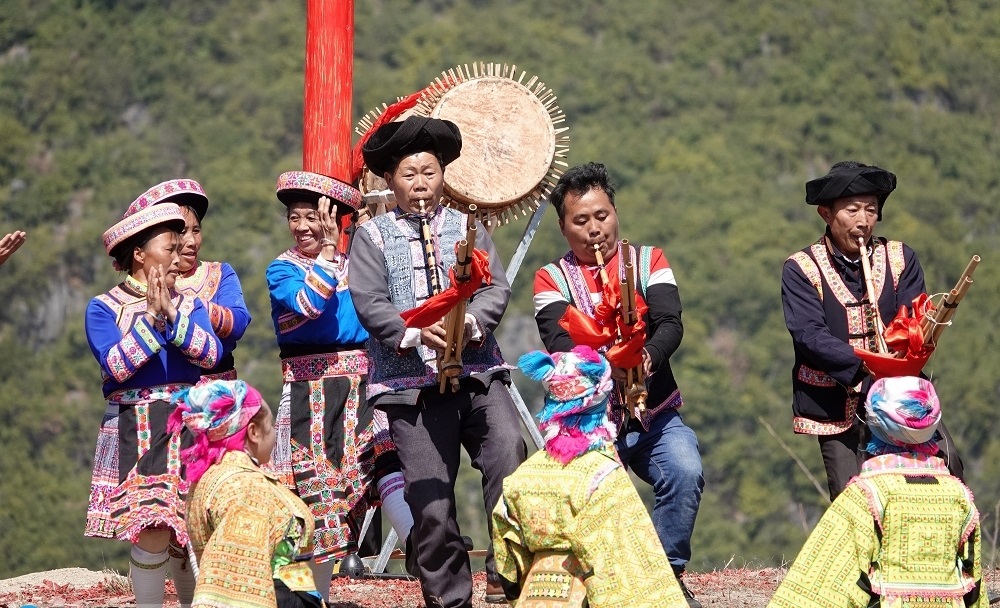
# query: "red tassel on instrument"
(905, 339)
(603, 330)
(436, 307)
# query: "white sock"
(149, 574)
(390, 489)
(182, 575)
(322, 575)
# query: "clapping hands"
(159, 300)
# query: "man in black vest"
(828, 313)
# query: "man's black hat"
(395, 140)
(848, 178)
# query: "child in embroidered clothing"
(252, 537)
(870, 548)
(570, 514)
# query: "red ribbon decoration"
(603, 329)
(436, 307)
(391, 113)
(905, 339)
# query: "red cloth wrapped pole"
(329, 88)
(436, 307)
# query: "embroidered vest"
(408, 282)
(925, 524)
(662, 386)
(821, 405)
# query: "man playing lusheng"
(389, 275)
(904, 532)
(828, 313)
(572, 503)
(658, 446)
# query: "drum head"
(508, 142)
(512, 139)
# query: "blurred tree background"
(710, 115)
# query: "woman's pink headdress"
(217, 414)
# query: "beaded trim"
(320, 184)
(148, 394)
(315, 367)
(135, 223)
(815, 377)
(163, 191)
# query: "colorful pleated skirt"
(137, 482)
(332, 446)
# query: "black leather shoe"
(692, 603)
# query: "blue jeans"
(666, 457)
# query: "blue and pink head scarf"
(903, 415)
(577, 385)
(217, 414)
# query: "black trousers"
(428, 437)
(844, 453)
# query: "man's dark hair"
(580, 180)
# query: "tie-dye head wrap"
(217, 414)
(903, 415)
(577, 384)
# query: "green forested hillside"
(711, 115)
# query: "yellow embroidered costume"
(589, 508)
(252, 537)
(247, 529)
(904, 533)
(575, 499)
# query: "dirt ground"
(78, 587)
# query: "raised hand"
(159, 301)
(11, 243)
(331, 229)
(153, 311)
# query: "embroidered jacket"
(588, 508)
(219, 288)
(827, 314)
(247, 530)
(390, 276)
(311, 307)
(903, 531)
(134, 354)
(567, 282)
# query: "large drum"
(513, 139)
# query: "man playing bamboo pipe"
(392, 273)
(828, 313)
(658, 446)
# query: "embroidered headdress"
(903, 415)
(577, 385)
(181, 191)
(136, 221)
(217, 414)
(305, 186)
(848, 178)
